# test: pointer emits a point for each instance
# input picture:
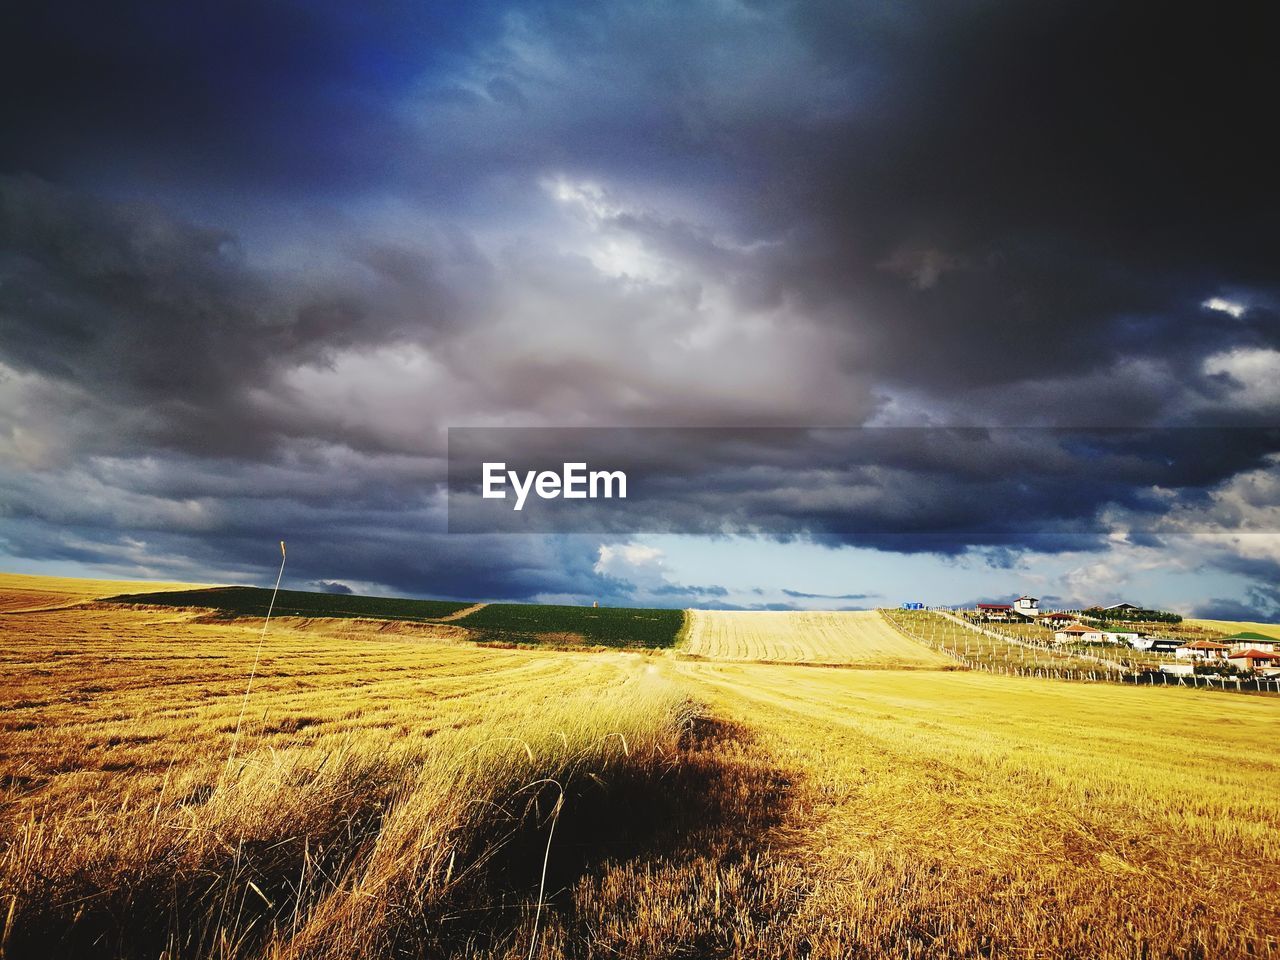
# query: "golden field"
(856, 637)
(397, 792)
(21, 592)
(1229, 627)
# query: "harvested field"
(19, 592)
(856, 638)
(970, 815)
(1228, 627)
(395, 792)
(387, 788)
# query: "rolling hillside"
(853, 638)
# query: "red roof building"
(1253, 659)
(1202, 650)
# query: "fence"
(1137, 678)
(1000, 631)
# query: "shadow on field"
(631, 853)
(704, 812)
(636, 846)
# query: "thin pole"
(235, 739)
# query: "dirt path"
(458, 615)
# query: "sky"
(256, 258)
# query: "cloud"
(1261, 605)
(163, 333)
(1252, 375)
(331, 586)
(638, 572)
(629, 561)
(1230, 307)
(830, 596)
(258, 302)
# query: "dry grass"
(1229, 627)
(395, 790)
(381, 780)
(19, 592)
(970, 815)
(859, 638)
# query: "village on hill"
(1160, 640)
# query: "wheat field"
(855, 637)
(396, 791)
(1228, 627)
(22, 592)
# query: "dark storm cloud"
(332, 586)
(398, 551)
(914, 489)
(1053, 186)
(170, 330)
(999, 207)
(1261, 603)
(815, 213)
(273, 95)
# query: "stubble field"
(19, 592)
(856, 637)
(1229, 627)
(396, 791)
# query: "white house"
(1058, 619)
(1078, 634)
(1027, 606)
(1202, 650)
(1131, 637)
(1155, 644)
(1252, 641)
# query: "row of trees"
(1125, 615)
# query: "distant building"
(1079, 634)
(1156, 644)
(1254, 660)
(913, 605)
(1057, 619)
(1202, 650)
(1252, 641)
(995, 611)
(1027, 606)
(1130, 637)
(1129, 607)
